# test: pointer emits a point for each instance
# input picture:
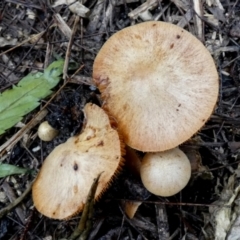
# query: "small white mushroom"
(46, 132)
(165, 173)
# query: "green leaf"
(8, 169)
(23, 98)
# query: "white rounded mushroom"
(165, 173)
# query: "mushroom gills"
(63, 183)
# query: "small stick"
(162, 222)
(34, 38)
(174, 203)
(12, 205)
(69, 47)
(84, 225)
(198, 22)
(148, 5)
(14, 139)
(62, 25)
(12, 197)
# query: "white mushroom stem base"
(165, 173)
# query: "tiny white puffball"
(165, 173)
(46, 132)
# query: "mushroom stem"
(61, 188)
(46, 132)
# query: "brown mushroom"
(62, 185)
(159, 82)
(131, 207)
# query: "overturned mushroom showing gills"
(63, 183)
(159, 82)
(165, 173)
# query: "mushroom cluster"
(161, 85)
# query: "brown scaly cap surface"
(67, 174)
(159, 82)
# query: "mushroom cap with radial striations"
(165, 173)
(63, 183)
(159, 82)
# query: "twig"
(34, 38)
(131, 223)
(16, 137)
(26, 4)
(12, 205)
(148, 5)
(107, 21)
(80, 79)
(95, 17)
(84, 225)
(174, 203)
(69, 47)
(27, 226)
(198, 22)
(174, 234)
(48, 53)
(12, 197)
(62, 25)
(162, 222)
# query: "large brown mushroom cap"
(159, 82)
(67, 174)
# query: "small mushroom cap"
(63, 183)
(159, 82)
(46, 132)
(131, 207)
(165, 173)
